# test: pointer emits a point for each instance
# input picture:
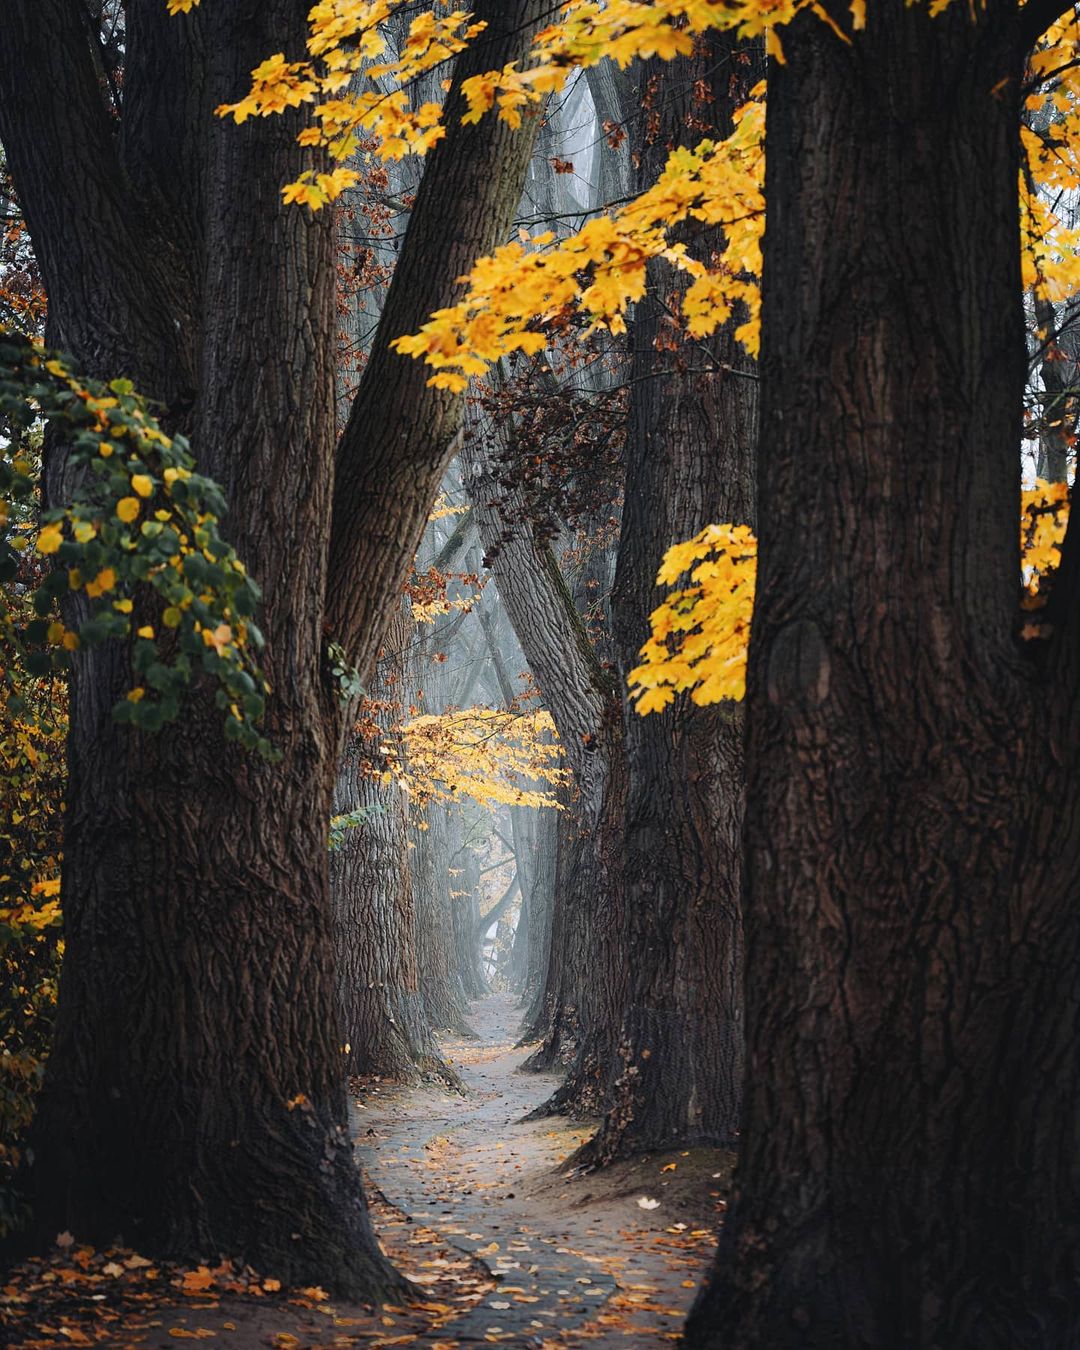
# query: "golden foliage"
(1044, 516)
(31, 805)
(528, 281)
(495, 756)
(699, 635)
(601, 269)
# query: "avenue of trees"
(425, 400)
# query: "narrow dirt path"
(577, 1260)
(469, 1203)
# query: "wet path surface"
(611, 1259)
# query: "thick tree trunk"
(383, 1024)
(464, 208)
(689, 461)
(195, 1098)
(384, 1027)
(908, 1176)
(194, 1101)
(587, 980)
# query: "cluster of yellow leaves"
(429, 595)
(428, 610)
(355, 85)
(31, 792)
(443, 507)
(699, 635)
(1044, 516)
(528, 281)
(589, 31)
(1051, 141)
(32, 770)
(602, 267)
(347, 40)
(494, 756)
(512, 293)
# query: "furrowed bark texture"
(908, 1175)
(198, 997)
(400, 431)
(689, 462)
(384, 1027)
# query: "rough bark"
(198, 994)
(689, 462)
(540, 913)
(165, 1114)
(384, 1028)
(910, 1133)
(399, 430)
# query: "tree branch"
(496, 912)
(114, 283)
(543, 615)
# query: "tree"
(910, 1132)
(581, 1008)
(384, 1025)
(689, 460)
(197, 917)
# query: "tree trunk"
(689, 461)
(465, 889)
(1057, 416)
(194, 1101)
(464, 208)
(541, 909)
(440, 978)
(383, 1024)
(908, 1175)
(195, 1098)
(384, 1027)
(553, 1018)
(519, 955)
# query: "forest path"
(577, 1260)
(469, 1203)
